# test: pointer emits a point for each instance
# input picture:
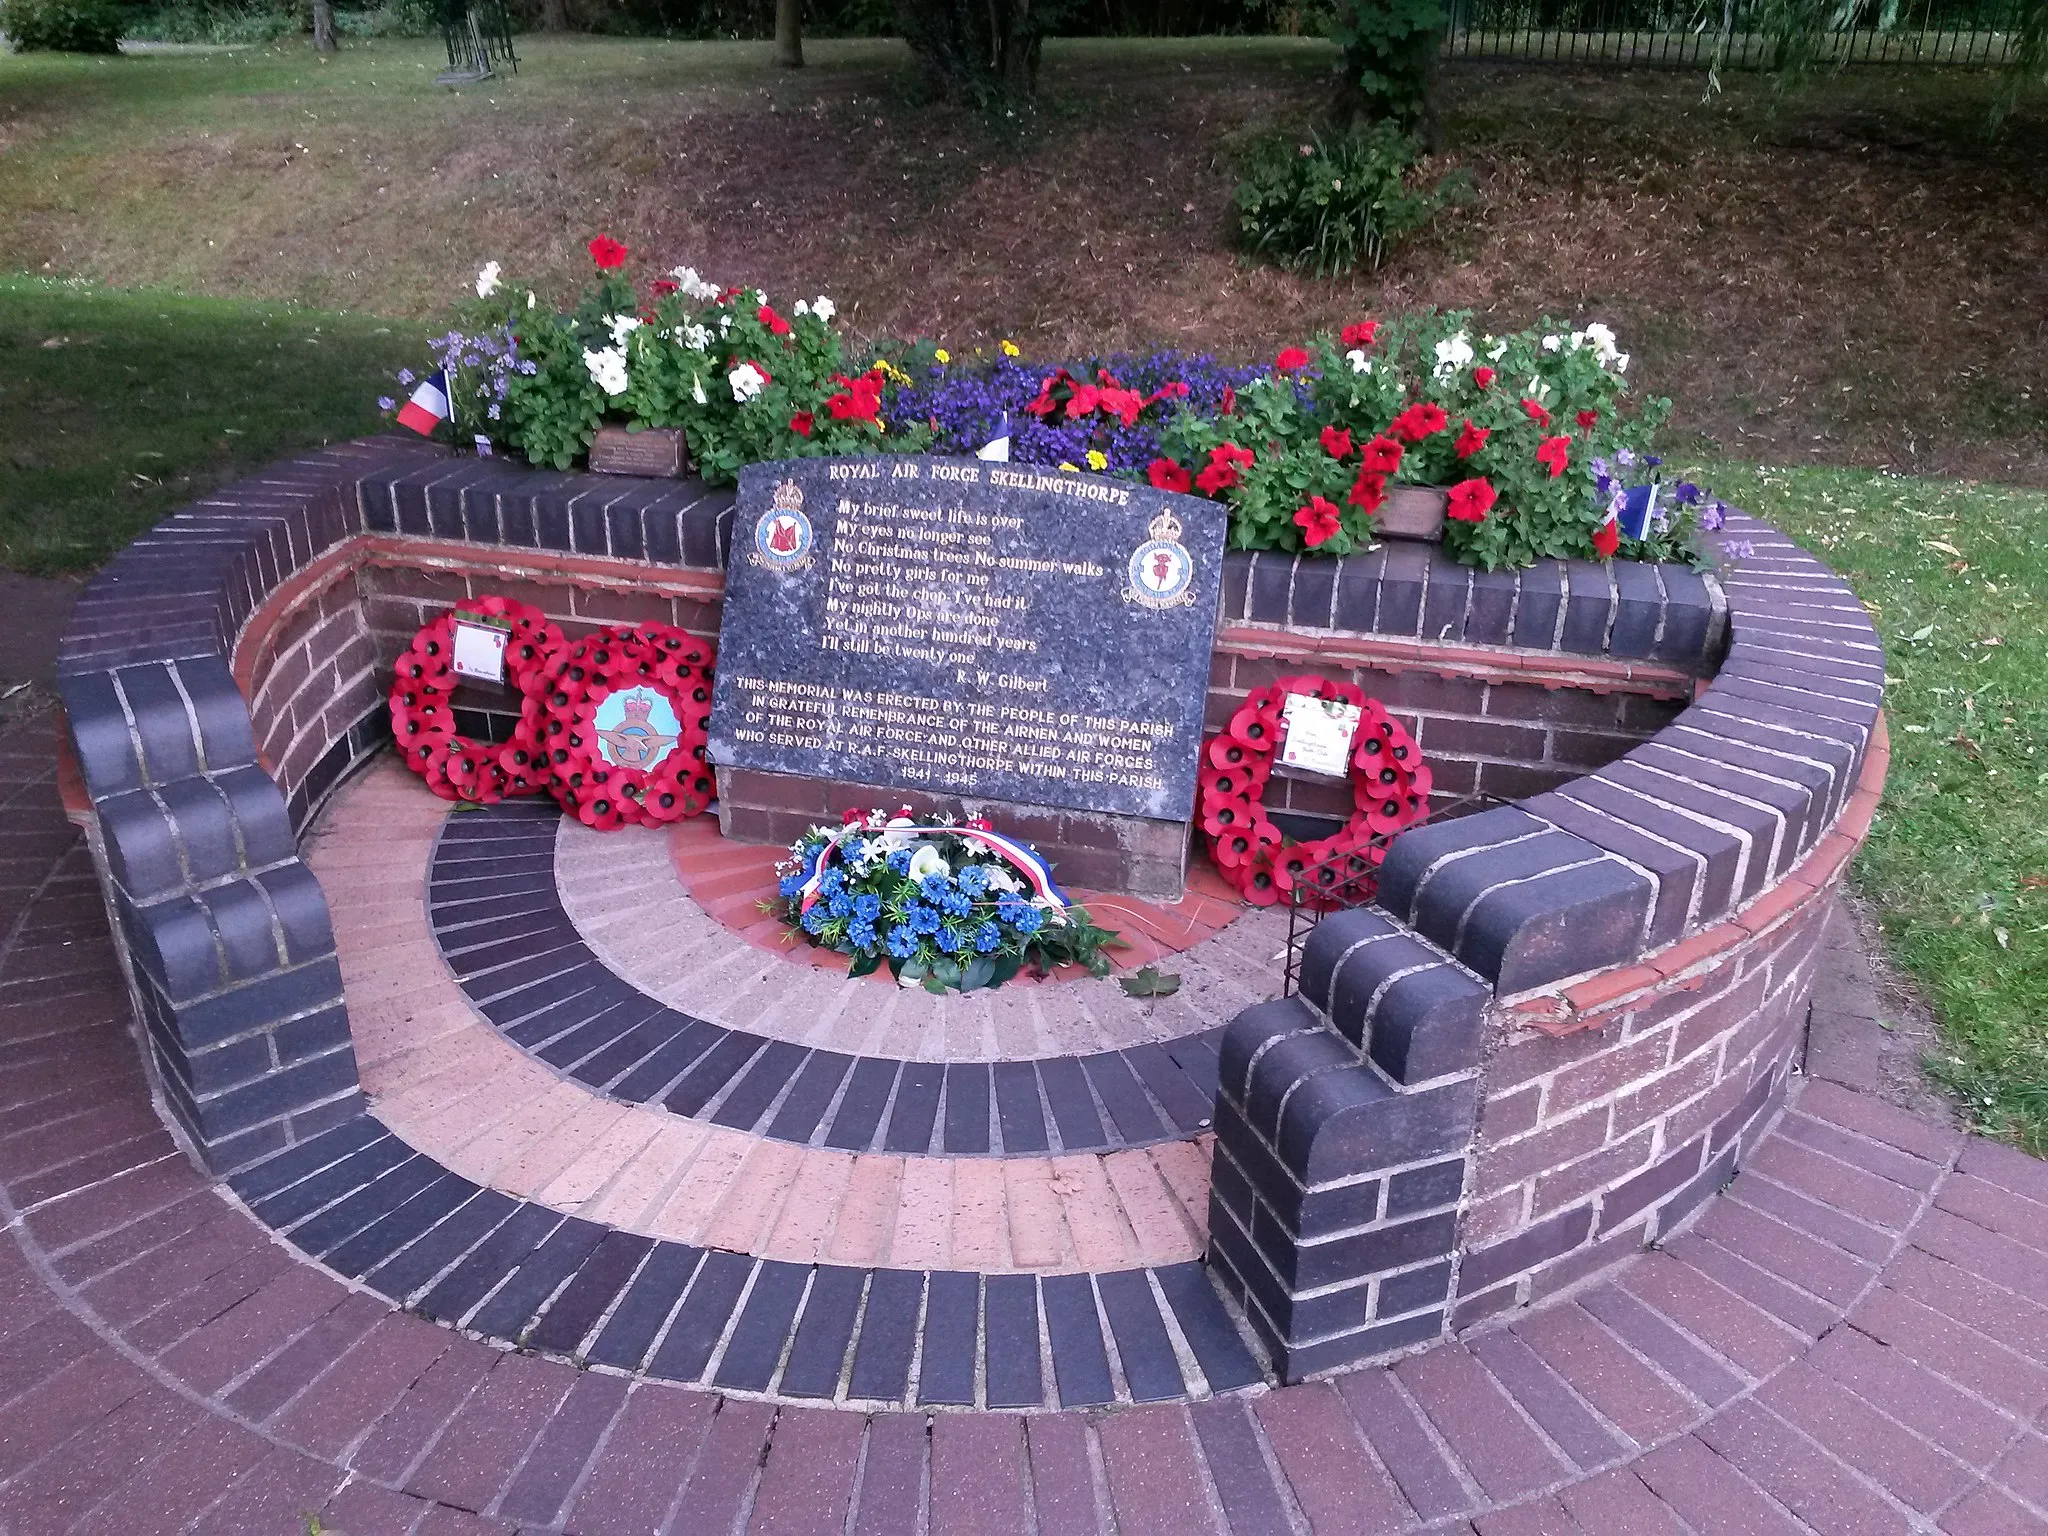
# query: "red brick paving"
(1856, 1342)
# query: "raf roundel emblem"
(636, 728)
(1162, 572)
(782, 538)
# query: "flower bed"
(1532, 437)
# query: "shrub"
(63, 26)
(1329, 205)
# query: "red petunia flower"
(859, 399)
(1382, 456)
(1419, 421)
(1290, 359)
(1607, 538)
(1083, 400)
(1362, 334)
(607, 253)
(1319, 521)
(1368, 492)
(1123, 404)
(1220, 473)
(776, 324)
(1169, 476)
(1470, 500)
(801, 423)
(664, 286)
(1588, 418)
(1229, 401)
(1484, 376)
(1472, 439)
(1337, 442)
(1555, 453)
(1536, 413)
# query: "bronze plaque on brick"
(656, 451)
(994, 631)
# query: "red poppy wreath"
(1389, 785)
(616, 722)
(458, 767)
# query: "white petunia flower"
(1359, 362)
(1553, 343)
(1498, 350)
(622, 326)
(529, 298)
(693, 285)
(1537, 389)
(487, 280)
(1621, 362)
(725, 323)
(607, 369)
(747, 381)
(824, 309)
(1452, 353)
(697, 390)
(801, 307)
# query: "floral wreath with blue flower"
(944, 905)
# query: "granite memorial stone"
(978, 630)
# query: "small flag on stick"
(1638, 504)
(428, 407)
(997, 448)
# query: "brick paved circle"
(1854, 1339)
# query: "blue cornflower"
(902, 942)
(987, 937)
(956, 904)
(789, 885)
(949, 941)
(921, 918)
(832, 882)
(973, 879)
(814, 920)
(840, 905)
(899, 861)
(1022, 916)
(860, 934)
(934, 886)
(867, 906)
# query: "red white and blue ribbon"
(1027, 861)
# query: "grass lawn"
(1957, 860)
(117, 407)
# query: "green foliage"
(1390, 54)
(1519, 429)
(1331, 204)
(984, 50)
(62, 26)
(1956, 865)
(117, 407)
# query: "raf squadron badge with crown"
(1162, 572)
(782, 538)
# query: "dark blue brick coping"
(502, 929)
(370, 1207)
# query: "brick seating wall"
(1555, 1034)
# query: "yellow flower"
(892, 372)
(1070, 468)
(943, 355)
(1097, 459)
(1011, 349)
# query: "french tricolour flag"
(1637, 506)
(997, 447)
(428, 407)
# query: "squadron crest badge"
(1162, 572)
(782, 538)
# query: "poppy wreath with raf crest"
(455, 766)
(1390, 787)
(617, 722)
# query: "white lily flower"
(487, 280)
(607, 369)
(927, 860)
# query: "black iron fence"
(1696, 33)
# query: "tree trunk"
(323, 26)
(789, 34)
(554, 15)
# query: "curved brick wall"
(1551, 1039)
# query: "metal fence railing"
(1696, 34)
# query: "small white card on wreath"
(1318, 735)
(479, 651)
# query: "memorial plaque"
(992, 631)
